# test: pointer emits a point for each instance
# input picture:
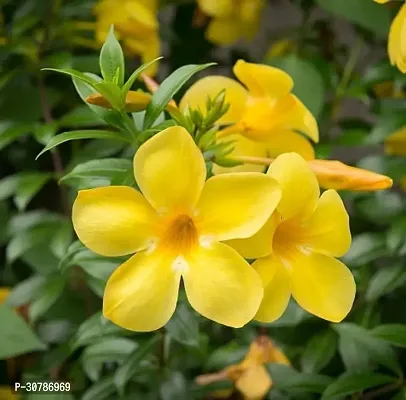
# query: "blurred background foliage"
(51, 326)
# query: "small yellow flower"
(296, 248)
(250, 376)
(232, 19)
(6, 393)
(395, 144)
(397, 38)
(4, 292)
(265, 116)
(280, 48)
(175, 226)
(135, 23)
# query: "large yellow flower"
(176, 227)
(265, 115)
(298, 245)
(135, 23)
(232, 19)
(397, 38)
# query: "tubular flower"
(395, 144)
(296, 248)
(232, 19)
(175, 226)
(250, 376)
(265, 115)
(135, 22)
(397, 38)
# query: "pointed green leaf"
(395, 334)
(85, 134)
(169, 87)
(112, 60)
(74, 74)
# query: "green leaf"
(8, 186)
(396, 236)
(354, 356)
(50, 292)
(28, 186)
(319, 351)
(26, 240)
(106, 350)
(350, 383)
(85, 134)
(386, 125)
(376, 349)
(183, 326)
(74, 74)
(61, 239)
(29, 219)
(9, 134)
(16, 337)
(81, 116)
(126, 88)
(25, 291)
(109, 168)
(231, 353)
(365, 248)
(43, 133)
(101, 390)
(385, 281)
(133, 363)
(393, 333)
(169, 87)
(112, 64)
(364, 13)
(288, 379)
(174, 387)
(96, 327)
(309, 84)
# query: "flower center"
(286, 240)
(180, 235)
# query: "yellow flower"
(6, 393)
(395, 144)
(4, 292)
(232, 19)
(135, 23)
(296, 248)
(176, 227)
(265, 116)
(280, 48)
(250, 376)
(397, 38)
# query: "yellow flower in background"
(395, 144)
(6, 393)
(135, 24)
(232, 19)
(296, 248)
(397, 38)
(175, 226)
(250, 376)
(264, 114)
(4, 292)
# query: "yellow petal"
(337, 175)
(395, 144)
(260, 244)
(327, 231)
(216, 8)
(254, 383)
(397, 40)
(224, 31)
(300, 190)
(151, 52)
(113, 220)
(288, 141)
(323, 286)
(170, 170)
(222, 286)
(303, 121)
(263, 80)
(211, 86)
(141, 294)
(235, 206)
(381, 1)
(243, 147)
(277, 288)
